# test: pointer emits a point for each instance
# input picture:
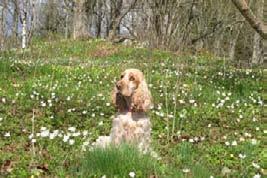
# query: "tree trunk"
(218, 43)
(24, 29)
(257, 49)
(33, 21)
(80, 20)
(2, 21)
(98, 18)
(15, 22)
(118, 16)
(234, 41)
(107, 17)
(255, 23)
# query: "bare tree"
(2, 30)
(23, 19)
(257, 44)
(244, 9)
(235, 35)
(15, 20)
(118, 12)
(99, 17)
(80, 28)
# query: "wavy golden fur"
(131, 92)
(132, 99)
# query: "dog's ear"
(114, 96)
(118, 100)
(141, 98)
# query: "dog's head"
(131, 92)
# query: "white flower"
(33, 140)
(85, 132)
(247, 134)
(71, 141)
(196, 139)
(191, 140)
(227, 143)
(44, 133)
(242, 156)
(253, 141)
(100, 123)
(181, 101)
(72, 129)
(1, 119)
(107, 104)
(30, 136)
(170, 116)
(255, 165)
(241, 139)
(191, 101)
(131, 174)
(186, 170)
(43, 104)
(7, 134)
(84, 112)
(76, 134)
(66, 138)
(257, 176)
(86, 143)
(52, 136)
(104, 176)
(234, 143)
(56, 132)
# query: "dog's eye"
(122, 76)
(131, 78)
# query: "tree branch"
(255, 23)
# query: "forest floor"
(55, 101)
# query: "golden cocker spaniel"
(132, 100)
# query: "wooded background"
(184, 26)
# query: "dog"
(132, 100)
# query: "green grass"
(117, 161)
(202, 103)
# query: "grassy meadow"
(55, 101)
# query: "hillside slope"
(55, 100)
